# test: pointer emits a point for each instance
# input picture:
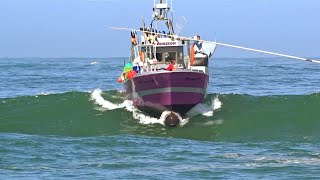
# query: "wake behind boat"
(166, 74)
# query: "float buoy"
(171, 120)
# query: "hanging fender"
(192, 55)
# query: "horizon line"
(75, 57)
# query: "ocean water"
(67, 118)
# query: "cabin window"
(147, 52)
(159, 57)
(166, 54)
(170, 56)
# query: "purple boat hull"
(176, 91)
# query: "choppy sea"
(67, 118)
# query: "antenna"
(172, 11)
(180, 23)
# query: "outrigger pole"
(265, 52)
(226, 45)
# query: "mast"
(161, 13)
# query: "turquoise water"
(53, 126)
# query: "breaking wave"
(233, 117)
(204, 109)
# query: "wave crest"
(199, 109)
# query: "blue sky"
(79, 28)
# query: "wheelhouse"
(154, 49)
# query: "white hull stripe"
(168, 90)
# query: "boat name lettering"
(166, 43)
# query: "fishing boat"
(169, 72)
(165, 73)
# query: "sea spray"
(97, 97)
(94, 62)
(205, 109)
(199, 109)
(127, 105)
(217, 104)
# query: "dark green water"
(53, 127)
(241, 118)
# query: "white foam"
(45, 93)
(217, 104)
(202, 109)
(205, 109)
(148, 120)
(266, 161)
(94, 62)
(96, 95)
(215, 122)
